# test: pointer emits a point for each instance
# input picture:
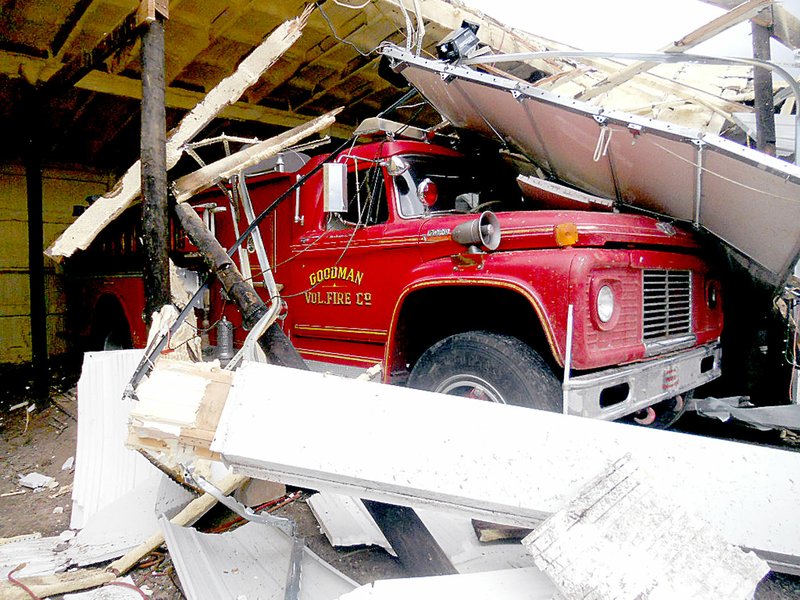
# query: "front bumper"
(614, 393)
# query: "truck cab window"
(367, 202)
(461, 186)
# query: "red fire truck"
(455, 276)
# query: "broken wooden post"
(33, 182)
(155, 210)
(80, 234)
(762, 87)
(274, 342)
(276, 345)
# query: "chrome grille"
(667, 304)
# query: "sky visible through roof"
(627, 25)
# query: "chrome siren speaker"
(485, 231)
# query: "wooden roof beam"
(73, 71)
(733, 17)
(785, 26)
(330, 88)
(70, 28)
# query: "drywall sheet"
(500, 463)
(249, 562)
(620, 540)
(745, 198)
(104, 468)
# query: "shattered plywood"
(619, 539)
(727, 483)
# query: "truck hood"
(536, 230)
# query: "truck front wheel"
(488, 366)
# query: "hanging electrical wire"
(336, 35)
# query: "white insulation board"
(497, 462)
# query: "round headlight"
(605, 304)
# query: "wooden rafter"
(784, 25)
(70, 28)
(73, 71)
(126, 87)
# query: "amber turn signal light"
(566, 234)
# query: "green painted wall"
(62, 189)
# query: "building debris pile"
(619, 498)
(614, 511)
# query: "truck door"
(337, 311)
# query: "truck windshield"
(462, 186)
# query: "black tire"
(110, 328)
(488, 366)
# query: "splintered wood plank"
(80, 234)
(188, 185)
(178, 407)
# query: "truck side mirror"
(396, 166)
(335, 187)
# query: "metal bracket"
(698, 183)
(288, 526)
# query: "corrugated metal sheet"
(104, 468)
(250, 562)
